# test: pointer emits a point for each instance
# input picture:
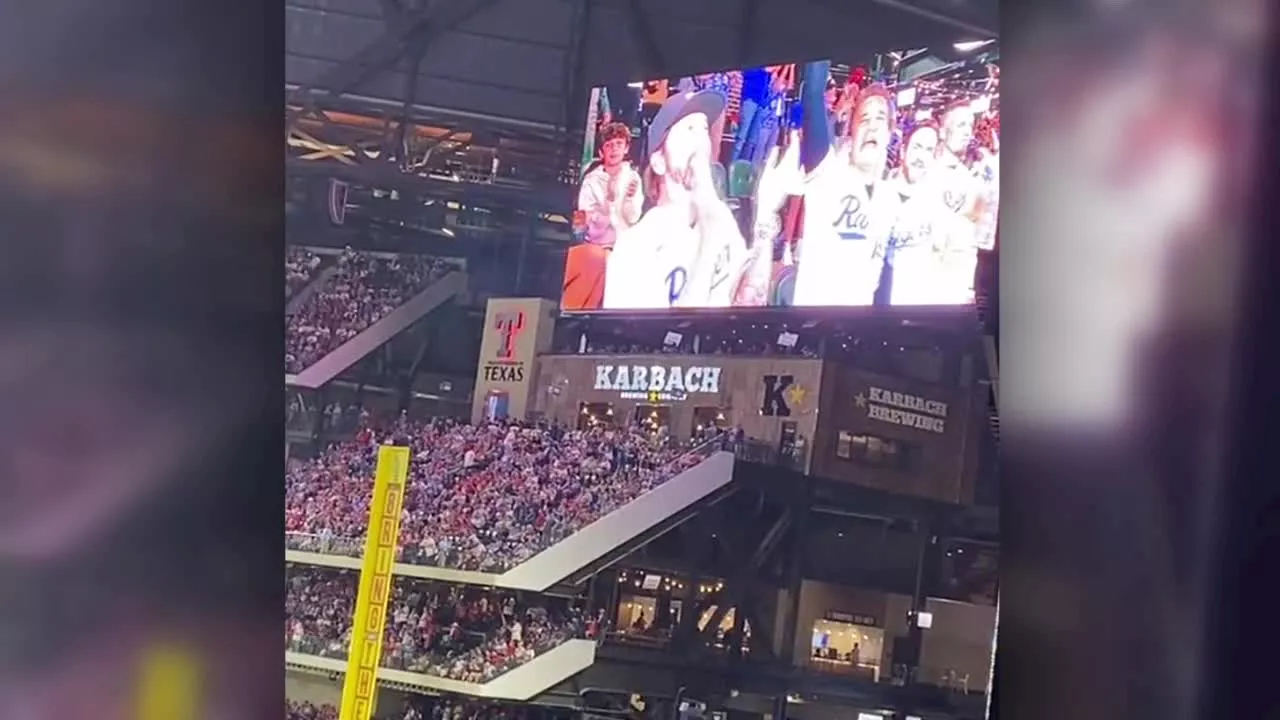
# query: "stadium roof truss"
(439, 92)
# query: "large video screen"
(813, 184)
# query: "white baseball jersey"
(845, 237)
(593, 199)
(927, 249)
(656, 263)
(988, 175)
(713, 280)
(650, 264)
(961, 190)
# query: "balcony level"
(571, 559)
(519, 684)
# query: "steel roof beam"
(651, 60)
(978, 32)
(417, 31)
(392, 13)
(573, 83)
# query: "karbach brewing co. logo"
(505, 367)
(903, 409)
(657, 382)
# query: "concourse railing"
(539, 667)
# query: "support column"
(573, 83)
(404, 129)
(927, 567)
(780, 707)
(795, 571)
(733, 639)
(689, 613)
(609, 590)
(317, 421)
(525, 239)
(593, 590)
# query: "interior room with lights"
(846, 647)
(650, 605)
(708, 420)
(653, 418)
(594, 415)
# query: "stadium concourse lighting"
(971, 45)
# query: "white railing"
(324, 544)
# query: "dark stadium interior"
(432, 155)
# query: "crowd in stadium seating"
(364, 289)
(308, 711)
(300, 266)
(479, 497)
(465, 633)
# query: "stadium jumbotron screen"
(830, 186)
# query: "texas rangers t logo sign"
(509, 326)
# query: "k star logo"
(780, 393)
(796, 394)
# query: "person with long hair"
(924, 228)
(687, 250)
(847, 212)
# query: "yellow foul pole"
(359, 689)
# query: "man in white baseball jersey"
(961, 187)
(962, 192)
(687, 250)
(847, 212)
(923, 228)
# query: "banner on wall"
(516, 330)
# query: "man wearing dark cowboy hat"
(687, 250)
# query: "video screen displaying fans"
(815, 184)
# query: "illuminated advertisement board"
(657, 382)
(515, 331)
(811, 184)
